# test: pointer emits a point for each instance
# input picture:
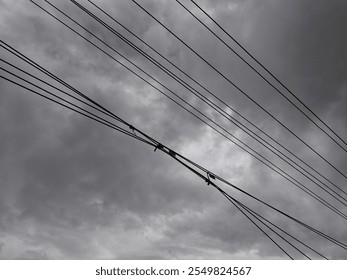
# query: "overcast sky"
(73, 189)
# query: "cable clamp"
(209, 177)
(132, 129)
(159, 146)
(172, 153)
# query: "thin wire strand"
(297, 221)
(234, 202)
(58, 89)
(102, 121)
(270, 73)
(285, 232)
(266, 80)
(240, 90)
(176, 156)
(91, 116)
(215, 96)
(250, 219)
(290, 179)
(212, 105)
(262, 230)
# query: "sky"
(71, 188)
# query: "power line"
(113, 127)
(273, 76)
(209, 182)
(265, 79)
(207, 101)
(296, 239)
(239, 89)
(58, 89)
(253, 222)
(91, 116)
(215, 96)
(238, 205)
(290, 179)
(174, 155)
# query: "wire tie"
(159, 146)
(172, 153)
(209, 177)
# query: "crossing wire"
(290, 179)
(277, 227)
(240, 90)
(212, 105)
(126, 133)
(174, 154)
(215, 96)
(268, 71)
(87, 114)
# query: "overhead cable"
(257, 156)
(240, 90)
(268, 71)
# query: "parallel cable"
(116, 128)
(262, 230)
(174, 154)
(209, 182)
(240, 90)
(215, 96)
(219, 178)
(92, 117)
(285, 232)
(250, 219)
(58, 89)
(267, 81)
(239, 207)
(270, 73)
(292, 179)
(45, 71)
(209, 103)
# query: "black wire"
(106, 123)
(224, 103)
(175, 157)
(272, 75)
(151, 139)
(216, 177)
(102, 122)
(258, 217)
(93, 117)
(209, 182)
(239, 89)
(45, 71)
(296, 183)
(262, 76)
(296, 239)
(221, 179)
(208, 102)
(58, 89)
(267, 235)
(51, 75)
(215, 96)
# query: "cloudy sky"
(73, 189)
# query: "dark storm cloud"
(73, 189)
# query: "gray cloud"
(73, 189)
